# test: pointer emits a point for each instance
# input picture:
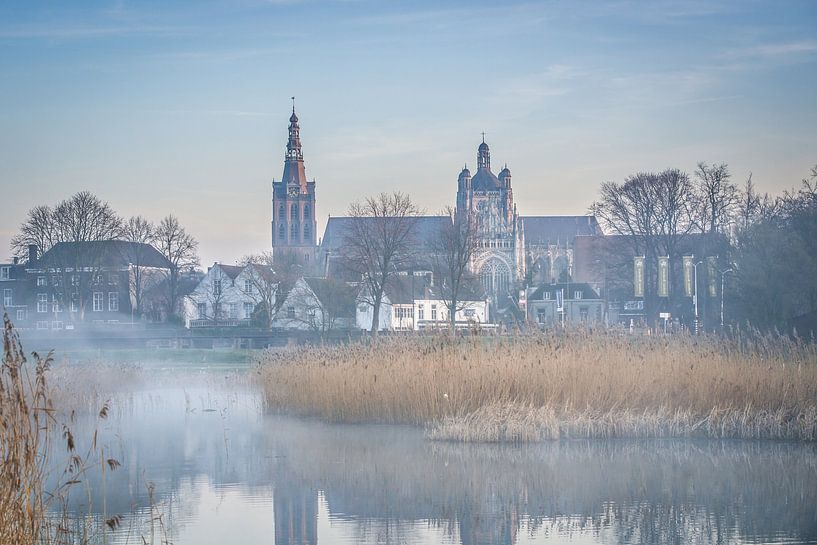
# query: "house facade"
(228, 296)
(79, 284)
(411, 302)
(567, 303)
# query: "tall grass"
(561, 384)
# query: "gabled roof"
(570, 288)
(561, 229)
(101, 253)
(230, 270)
(338, 294)
(424, 231)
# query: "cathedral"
(513, 251)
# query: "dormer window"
(577, 294)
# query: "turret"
(505, 177)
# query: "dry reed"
(559, 384)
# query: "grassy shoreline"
(555, 385)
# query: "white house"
(317, 304)
(228, 295)
(412, 302)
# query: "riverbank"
(556, 385)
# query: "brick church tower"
(293, 204)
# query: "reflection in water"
(226, 472)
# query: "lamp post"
(723, 273)
(695, 296)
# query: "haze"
(183, 108)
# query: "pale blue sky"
(182, 106)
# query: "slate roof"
(561, 229)
(425, 229)
(230, 270)
(324, 289)
(485, 180)
(402, 290)
(101, 253)
(570, 289)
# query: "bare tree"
(380, 241)
(139, 232)
(653, 213)
(718, 196)
(320, 303)
(71, 232)
(180, 249)
(270, 280)
(452, 250)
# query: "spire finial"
(483, 137)
(293, 105)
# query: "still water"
(224, 471)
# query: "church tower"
(293, 204)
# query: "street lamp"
(695, 297)
(723, 273)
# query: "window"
(202, 308)
(433, 312)
(247, 286)
(113, 301)
(233, 311)
(421, 312)
(42, 324)
(293, 212)
(113, 279)
(540, 316)
(97, 278)
(56, 325)
(56, 281)
(282, 212)
(40, 281)
(55, 304)
(546, 296)
(583, 314)
(291, 312)
(577, 294)
(293, 232)
(307, 233)
(306, 212)
(282, 231)
(470, 313)
(98, 301)
(248, 308)
(42, 302)
(216, 287)
(5, 273)
(75, 280)
(21, 314)
(74, 302)
(7, 297)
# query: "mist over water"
(226, 471)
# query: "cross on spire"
(293, 105)
(483, 137)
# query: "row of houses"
(254, 295)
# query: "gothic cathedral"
(293, 204)
(499, 260)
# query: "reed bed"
(558, 384)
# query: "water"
(223, 471)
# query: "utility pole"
(723, 273)
(695, 297)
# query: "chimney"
(15, 260)
(33, 252)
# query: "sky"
(165, 107)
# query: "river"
(223, 470)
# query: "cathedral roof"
(425, 229)
(553, 229)
(485, 180)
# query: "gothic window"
(282, 231)
(306, 211)
(293, 212)
(293, 232)
(282, 211)
(307, 232)
(495, 277)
